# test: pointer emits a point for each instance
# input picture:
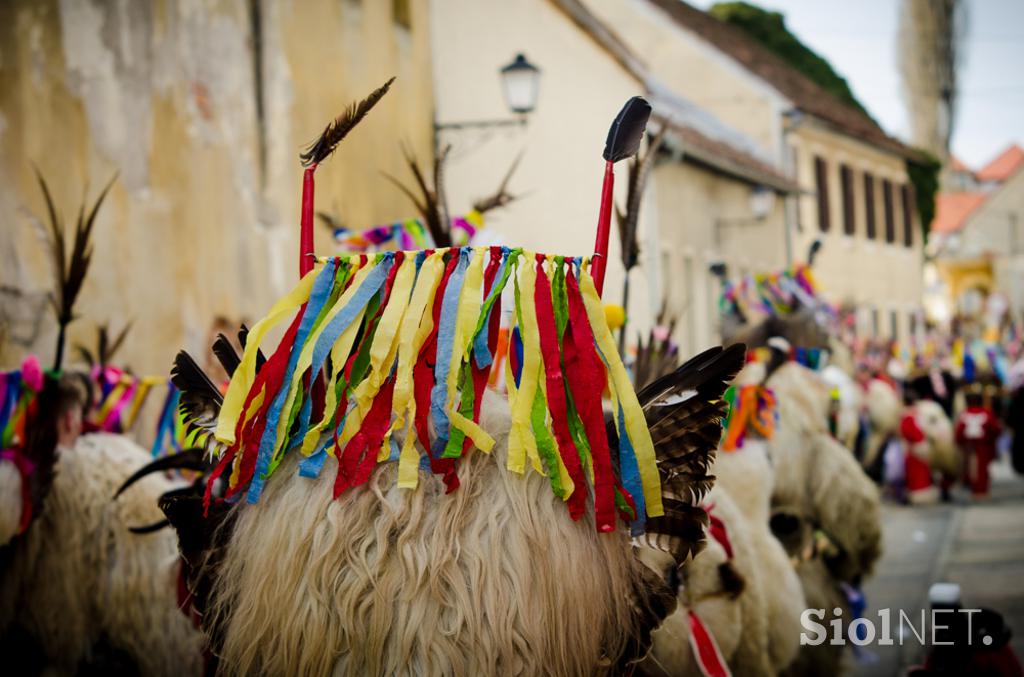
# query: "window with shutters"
(846, 185)
(821, 185)
(907, 202)
(869, 206)
(890, 221)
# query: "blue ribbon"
(318, 297)
(445, 344)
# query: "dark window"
(913, 323)
(821, 185)
(894, 325)
(906, 200)
(846, 181)
(874, 322)
(401, 12)
(890, 221)
(869, 206)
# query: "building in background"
(709, 198)
(201, 109)
(977, 240)
(855, 193)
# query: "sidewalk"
(980, 546)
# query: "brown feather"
(340, 127)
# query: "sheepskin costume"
(80, 579)
(747, 475)
(385, 580)
(10, 501)
(850, 402)
(938, 430)
(884, 409)
(755, 622)
(817, 474)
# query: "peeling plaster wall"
(168, 95)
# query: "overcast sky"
(859, 39)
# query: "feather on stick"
(339, 128)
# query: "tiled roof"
(953, 209)
(1003, 166)
(791, 83)
(957, 165)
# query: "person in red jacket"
(918, 471)
(977, 430)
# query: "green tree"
(769, 28)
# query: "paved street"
(980, 546)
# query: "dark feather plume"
(226, 355)
(627, 130)
(106, 348)
(639, 170)
(200, 401)
(339, 128)
(430, 202)
(69, 272)
(684, 411)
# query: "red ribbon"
(423, 381)
(705, 650)
(557, 403)
(352, 471)
(586, 384)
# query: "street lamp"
(520, 84)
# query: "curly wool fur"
(818, 475)
(758, 630)
(80, 577)
(884, 412)
(937, 427)
(493, 578)
(747, 476)
(10, 501)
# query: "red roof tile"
(957, 165)
(1003, 166)
(952, 210)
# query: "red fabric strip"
(585, 375)
(360, 456)
(423, 381)
(557, 403)
(705, 650)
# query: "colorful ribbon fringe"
(19, 400)
(751, 407)
(406, 235)
(775, 293)
(405, 341)
(120, 399)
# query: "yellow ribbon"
(636, 424)
(416, 326)
(246, 372)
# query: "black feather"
(226, 355)
(243, 336)
(339, 128)
(627, 131)
(150, 528)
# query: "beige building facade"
(801, 129)
(201, 109)
(697, 209)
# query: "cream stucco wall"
(703, 218)
(683, 61)
(165, 94)
(872, 273)
(559, 178)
